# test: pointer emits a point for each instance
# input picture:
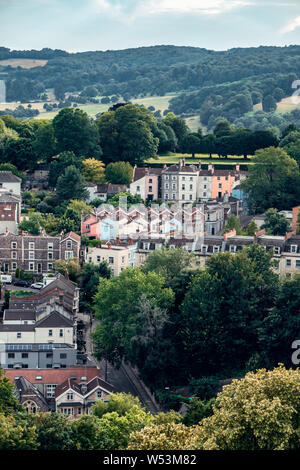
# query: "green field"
(174, 158)
(159, 102)
(90, 109)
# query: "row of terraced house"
(184, 183)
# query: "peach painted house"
(223, 181)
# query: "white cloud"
(138, 8)
(291, 26)
(207, 7)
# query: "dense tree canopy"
(273, 181)
(119, 173)
(127, 134)
(261, 411)
(75, 132)
(70, 185)
(118, 309)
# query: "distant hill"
(209, 84)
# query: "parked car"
(6, 278)
(21, 282)
(37, 285)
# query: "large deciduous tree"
(75, 131)
(275, 223)
(93, 170)
(117, 307)
(280, 329)
(126, 134)
(119, 173)
(70, 185)
(259, 412)
(273, 181)
(169, 263)
(222, 310)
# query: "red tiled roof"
(54, 376)
(71, 235)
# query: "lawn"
(159, 102)
(194, 123)
(174, 158)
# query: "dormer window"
(216, 249)
(277, 250)
(232, 248)
(204, 248)
(294, 248)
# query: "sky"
(85, 25)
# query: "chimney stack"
(237, 167)
(199, 165)
(259, 233)
(227, 235)
(211, 168)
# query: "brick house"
(47, 389)
(36, 253)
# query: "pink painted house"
(146, 183)
(90, 227)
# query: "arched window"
(30, 406)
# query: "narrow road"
(124, 379)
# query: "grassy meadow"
(174, 158)
(24, 63)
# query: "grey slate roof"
(19, 314)
(55, 320)
(9, 177)
(17, 328)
